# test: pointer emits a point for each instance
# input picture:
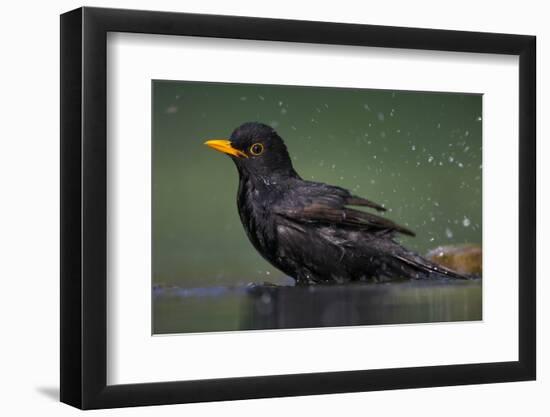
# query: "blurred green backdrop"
(418, 153)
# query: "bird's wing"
(328, 205)
(354, 200)
(322, 191)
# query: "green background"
(418, 153)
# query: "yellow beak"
(223, 145)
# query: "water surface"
(179, 310)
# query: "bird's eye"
(257, 149)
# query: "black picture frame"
(84, 207)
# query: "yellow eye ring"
(257, 149)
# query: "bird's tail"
(416, 266)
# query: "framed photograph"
(257, 208)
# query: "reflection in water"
(178, 310)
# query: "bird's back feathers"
(313, 202)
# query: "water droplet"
(413, 148)
(449, 233)
(451, 159)
(466, 222)
(460, 165)
(478, 118)
(430, 159)
(366, 107)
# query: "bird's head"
(257, 150)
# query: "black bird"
(308, 229)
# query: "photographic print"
(280, 207)
(213, 212)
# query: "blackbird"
(309, 230)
